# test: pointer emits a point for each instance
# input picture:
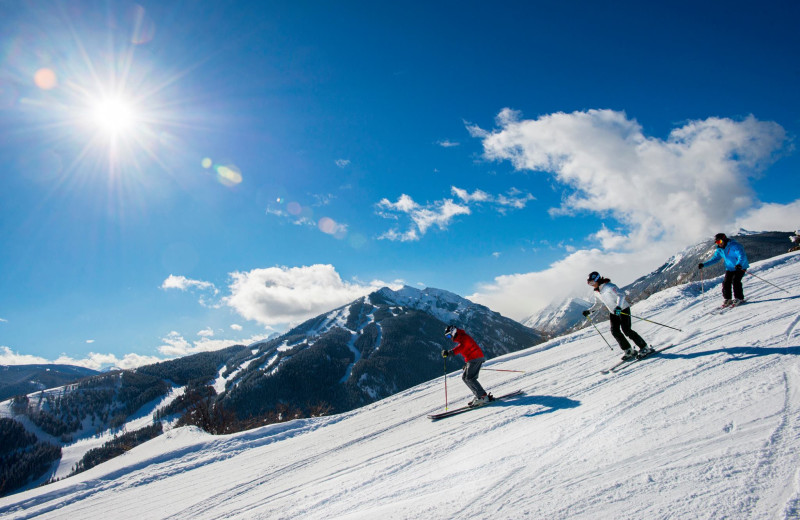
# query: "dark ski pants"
(621, 327)
(733, 278)
(470, 376)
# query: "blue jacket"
(733, 255)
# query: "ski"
(723, 308)
(657, 351)
(614, 367)
(617, 367)
(463, 409)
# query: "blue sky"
(181, 176)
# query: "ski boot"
(644, 352)
(479, 401)
(736, 301)
(726, 303)
(630, 355)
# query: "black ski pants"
(470, 376)
(733, 279)
(621, 327)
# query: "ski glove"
(618, 311)
(700, 266)
(586, 313)
(446, 353)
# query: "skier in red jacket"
(473, 355)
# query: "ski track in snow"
(709, 429)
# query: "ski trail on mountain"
(708, 429)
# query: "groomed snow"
(710, 429)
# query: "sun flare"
(114, 116)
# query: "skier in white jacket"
(620, 316)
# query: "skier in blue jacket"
(732, 253)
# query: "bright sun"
(113, 115)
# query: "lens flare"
(357, 241)
(327, 225)
(144, 28)
(228, 175)
(45, 79)
(206, 163)
(294, 208)
(330, 227)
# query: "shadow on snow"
(550, 403)
(737, 353)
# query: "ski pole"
(702, 288)
(772, 284)
(653, 322)
(499, 370)
(589, 317)
(445, 384)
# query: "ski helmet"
(721, 239)
(593, 277)
(450, 331)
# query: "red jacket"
(466, 346)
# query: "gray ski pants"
(470, 376)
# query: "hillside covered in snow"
(708, 429)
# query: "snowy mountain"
(78, 424)
(708, 429)
(366, 350)
(558, 317)
(26, 379)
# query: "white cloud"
(694, 181)
(276, 212)
(4, 321)
(476, 196)
(771, 217)
(185, 284)
(9, 357)
(175, 345)
(441, 213)
(446, 143)
(663, 194)
(94, 360)
(281, 295)
(236, 327)
(207, 332)
(182, 283)
(342, 163)
(514, 199)
(90, 341)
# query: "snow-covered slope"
(708, 429)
